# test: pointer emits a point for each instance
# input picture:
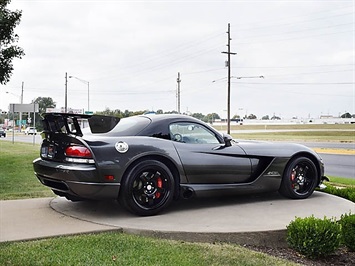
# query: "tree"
(212, 117)
(251, 116)
(265, 117)
(171, 112)
(198, 116)
(44, 103)
(109, 112)
(346, 115)
(8, 51)
(275, 118)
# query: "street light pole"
(250, 77)
(13, 116)
(88, 83)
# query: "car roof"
(160, 123)
(171, 117)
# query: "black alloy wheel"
(300, 178)
(148, 188)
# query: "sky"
(126, 55)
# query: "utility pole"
(66, 93)
(229, 53)
(178, 92)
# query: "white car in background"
(30, 131)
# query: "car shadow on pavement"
(102, 209)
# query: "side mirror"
(227, 140)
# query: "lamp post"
(86, 82)
(20, 97)
(21, 101)
(228, 96)
(13, 114)
(251, 77)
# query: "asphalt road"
(339, 165)
(23, 138)
(335, 165)
(330, 145)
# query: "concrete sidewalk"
(34, 218)
(259, 220)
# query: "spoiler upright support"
(69, 123)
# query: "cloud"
(131, 52)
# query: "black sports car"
(147, 161)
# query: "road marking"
(335, 151)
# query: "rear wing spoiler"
(72, 123)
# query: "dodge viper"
(147, 161)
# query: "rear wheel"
(148, 188)
(299, 179)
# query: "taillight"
(78, 154)
(78, 151)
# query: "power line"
(300, 37)
(298, 92)
(300, 66)
(292, 23)
(311, 73)
(260, 36)
(298, 83)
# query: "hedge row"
(346, 193)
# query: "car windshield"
(130, 126)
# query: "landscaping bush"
(347, 222)
(314, 237)
(346, 193)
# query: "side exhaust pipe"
(187, 193)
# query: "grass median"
(304, 132)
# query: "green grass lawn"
(17, 179)
(341, 181)
(121, 249)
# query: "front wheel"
(148, 188)
(300, 178)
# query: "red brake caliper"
(159, 185)
(293, 177)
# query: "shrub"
(314, 237)
(347, 222)
(346, 193)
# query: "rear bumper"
(79, 180)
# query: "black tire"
(300, 178)
(148, 188)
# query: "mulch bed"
(342, 257)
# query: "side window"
(192, 133)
